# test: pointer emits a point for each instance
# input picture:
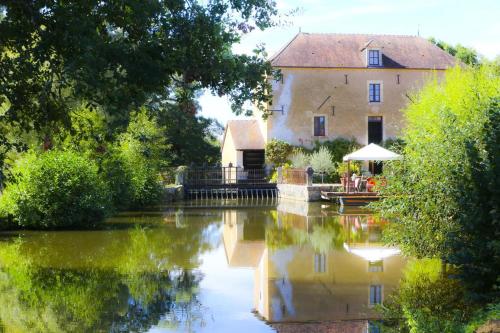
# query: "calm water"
(201, 267)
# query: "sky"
(473, 24)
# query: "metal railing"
(295, 176)
(211, 176)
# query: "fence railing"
(295, 176)
(211, 176)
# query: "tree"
(443, 197)
(426, 301)
(467, 55)
(118, 54)
(300, 159)
(55, 190)
(278, 152)
(192, 138)
(322, 161)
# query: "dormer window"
(374, 58)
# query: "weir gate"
(227, 183)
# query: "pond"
(201, 266)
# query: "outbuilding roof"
(245, 134)
(348, 51)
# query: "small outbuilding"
(243, 144)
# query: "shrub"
(322, 161)
(118, 179)
(278, 152)
(338, 148)
(341, 168)
(55, 190)
(443, 197)
(144, 179)
(300, 160)
(394, 144)
(140, 150)
(426, 301)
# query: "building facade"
(336, 85)
(301, 279)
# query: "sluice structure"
(227, 183)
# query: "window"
(373, 328)
(374, 93)
(375, 294)
(375, 129)
(319, 126)
(319, 263)
(373, 58)
(376, 266)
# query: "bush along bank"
(55, 189)
(443, 200)
(62, 189)
(79, 182)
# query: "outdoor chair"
(357, 184)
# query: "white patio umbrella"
(374, 253)
(372, 152)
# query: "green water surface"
(206, 266)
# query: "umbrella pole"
(348, 175)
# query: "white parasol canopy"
(372, 152)
(374, 253)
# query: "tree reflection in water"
(323, 233)
(145, 272)
(112, 280)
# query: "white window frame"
(370, 304)
(381, 91)
(368, 57)
(326, 125)
(370, 263)
(325, 263)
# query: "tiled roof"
(245, 134)
(347, 51)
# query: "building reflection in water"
(312, 264)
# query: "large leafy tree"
(465, 54)
(444, 195)
(118, 54)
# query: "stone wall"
(351, 326)
(309, 92)
(173, 193)
(302, 192)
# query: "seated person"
(366, 173)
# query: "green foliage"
(429, 301)
(192, 139)
(300, 160)
(467, 55)
(322, 161)
(338, 148)
(443, 197)
(483, 316)
(278, 152)
(137, 51)
(55, 190)
(88, 134)
(115, 171)
(140, 150)
(95, 282)
(426, 301)
(394, 144)
(341, 168)
(474, 245)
